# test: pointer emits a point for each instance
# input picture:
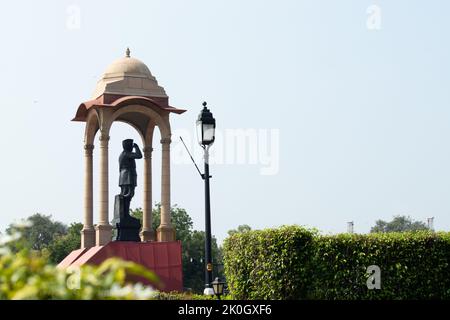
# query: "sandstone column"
(88, 232)
(103, 229)
(147, 233)
(165, 231)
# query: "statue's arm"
(137, 154)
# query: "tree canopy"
(240, 229)
(62, 245)
(398, 224)
(41, 233)
(37, 232)
(193, 246)
(56, 240)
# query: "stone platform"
(163, 258)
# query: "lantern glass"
(205, 133)
(208, 133)
(199, 132)
(217, 287)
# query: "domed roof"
(129, 66)
(128, 76)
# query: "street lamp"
(218, 287)
(206, 125)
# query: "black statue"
(127, 226)
(128, 175)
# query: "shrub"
(29, 275)
(269, 264)
(414, 265)
(181, 296)
(296, 263)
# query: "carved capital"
(104, 137)
(104, 140)
(166, 141)
(88, 148)
(147, 152)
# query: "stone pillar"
(147, 233)
(165, 231)
(103, 228)
(88, 232)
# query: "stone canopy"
(127, 92)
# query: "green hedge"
(297, 263)
(269, 264)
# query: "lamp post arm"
(201, 174)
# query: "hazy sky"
(357, 97)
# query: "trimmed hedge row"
(296, 263)
(269, 264)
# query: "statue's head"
(128, 145)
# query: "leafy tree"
(194, 262)
(193, 246)
(65, 244)
(36, 232)
(240, 229)
(399, 224)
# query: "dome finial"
(128, 52)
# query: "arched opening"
(142, 117)
(113, 126)
(119, 131)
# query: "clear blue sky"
(363, 115)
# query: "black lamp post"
(218, 287)
(206, 126)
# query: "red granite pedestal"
(163, 258)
